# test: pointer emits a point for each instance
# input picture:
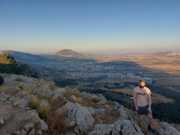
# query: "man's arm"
(135, 100)
(149, 100)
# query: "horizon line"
(97, 52)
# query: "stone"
(2, 122)
(44, 126)
(126, 127)
(32, 132)
(102, 129)
(120, 127)
(80, 115)
(167, 129)
(28, 127)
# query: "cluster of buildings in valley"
(93, 72)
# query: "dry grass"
(69, 93)
(6, 59)
(107, 117)
(168, 64)
(75, 96)
(56, 120)
(57, 103)
(9, 90)
(34, 102)
(56, 123)
(90, 102)
(43, 110)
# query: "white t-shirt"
(142, 96)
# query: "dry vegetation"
(6, 59)
(42, 108)
(75, 96)
(107, 117)
(56, 120)
(166, 63)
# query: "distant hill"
(167, 53)
(70, 53)
(8, 64)
(5, 58)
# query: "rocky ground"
(30, 106)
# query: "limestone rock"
(167, 129)
(80, 115)
(102, 129)
(20, 122)
(120, 127)
(126, 127)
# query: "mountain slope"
(63, 111)
(5, 58)
(8, 64)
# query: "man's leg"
(153, 124)
(144, 123)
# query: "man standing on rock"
(142, 103)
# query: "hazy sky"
(51, 25)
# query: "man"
(142, 103)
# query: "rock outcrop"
(20, 122)
(81, 116)
(167, 129)
(120, 127)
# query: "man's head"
(142, 83)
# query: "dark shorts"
(143, 110)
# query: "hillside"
(70, 53)
(8, 64)
(63, 111)
(5, 58)
(37, 107)
(168, 62)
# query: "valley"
(103, 76)
(82, 93)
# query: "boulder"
(17, 121)
(167, 129)
(102, 129)
(80, 115)
(126, 127)
(120, 127)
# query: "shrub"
(43, 111)
(56, 123)
(56, 119)
(34, 102)
(42, 108)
